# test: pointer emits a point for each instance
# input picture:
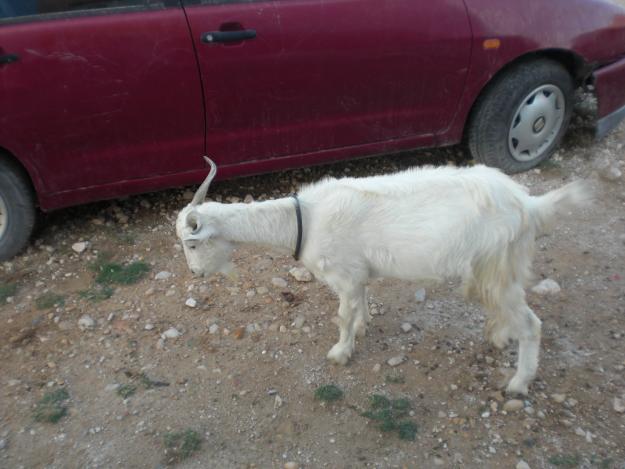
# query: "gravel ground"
(235, 362)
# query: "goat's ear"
(197, 227)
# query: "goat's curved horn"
(200, 194)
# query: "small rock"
(406, 327)
(248, 199)
(112, 387)
(376, 368)
(277, 403)
(610, 172)
(239, 332)
(559, 398)
(547, 287)
(148, 327)
(86, 322)
(262, 290)
(191, 303)
(283, 328)
(619, 405)
(162, 275)
(580, 431)
(398, 360)
(301, 274)
(513, 405)
(419, 295)
(3, 444)
(291, 465)
(522, 465)
(299, 322)
(171, 333)
(279, 282)
(80, 247)
(213, 329)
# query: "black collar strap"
(298, 213)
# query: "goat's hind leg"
(514, 320)
(352, 308)
(362, 316)
(527, 332)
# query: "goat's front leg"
(352, 308)
(362, 316)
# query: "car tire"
(17, 209)
(521, 117)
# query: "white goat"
(473, 223)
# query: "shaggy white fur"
(432, 223)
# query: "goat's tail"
(545, 208)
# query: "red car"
(103, 98)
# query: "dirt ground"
(251, 353)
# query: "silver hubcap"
(536, 123)
(3, 217)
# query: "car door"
(98, 92)
(291, 77)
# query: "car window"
(33, 8)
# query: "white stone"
(213, 329)
(376, 368)
(80, 247)
(419, 295)
(301, 274)
(191, 303)
(279, 282)
(262, 290)
(513, 405)
(148, 327)
(547, 287)
(559, 398)
(299, 322)
(162, 275)
(398, 360)
(171, 333)
(86, 322)
(406, 327)
(522, 465)
(619, 405)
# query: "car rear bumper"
(610, 90)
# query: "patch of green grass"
(49, 300)
(328, 393)
(390, 415)
(181, 445)
(565, 460)
(395, 379)
(51, 408)
(126, 390)
(109, 273)
(97, 293)
(7, 290)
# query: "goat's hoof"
(339, 355)
(516, 386)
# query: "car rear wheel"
(520, 119)
(17, 209)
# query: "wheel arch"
(576, 65)
(21, 169)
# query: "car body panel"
(609, 85)
(87, 102)
(592, 30)
(327, 75)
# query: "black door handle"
(228, 36)
(8, 58)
